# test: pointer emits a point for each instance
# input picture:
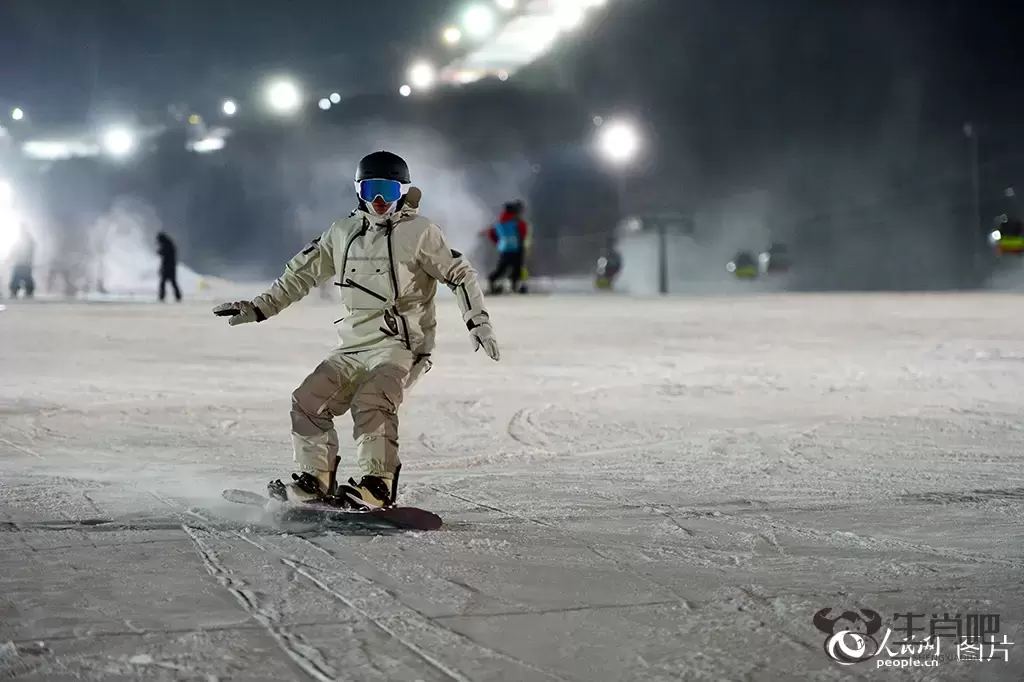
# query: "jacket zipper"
(394, 280)
(348, 244)
(394, 283)
(351, 283)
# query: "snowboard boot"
(371, 492)
(304, 487)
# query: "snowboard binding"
(337, 498)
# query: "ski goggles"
(388, 190)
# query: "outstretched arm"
(452, 268)
(308, 269)
(447, 265)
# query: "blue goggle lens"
(389, 190)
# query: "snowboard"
(402, 518)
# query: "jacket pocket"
(366, 286)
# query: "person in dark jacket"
(511, 234)
(168, 265)
(23, 256)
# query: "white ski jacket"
(387, 270)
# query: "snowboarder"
(168, 265)
(23, 256)
(511, 235)
(387, 260)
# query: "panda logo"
(850, 633)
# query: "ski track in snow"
(358, 593)
(641, 489)
(306, 657)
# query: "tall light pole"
(971, 132)
(620, 144)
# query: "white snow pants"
(371, 384)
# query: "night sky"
(669, 54)
(148, 53)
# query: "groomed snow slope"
(639, 490)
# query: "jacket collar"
(392, 219)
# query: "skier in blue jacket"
(511, 234)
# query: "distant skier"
(168, 265)
(775, 259)
(1008, 237)
(608, 267)
(23, 257)
(387, 260)
(743, 266)
(511, 234)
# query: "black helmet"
(517, 206)
(383, 166)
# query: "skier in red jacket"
(511, 234)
